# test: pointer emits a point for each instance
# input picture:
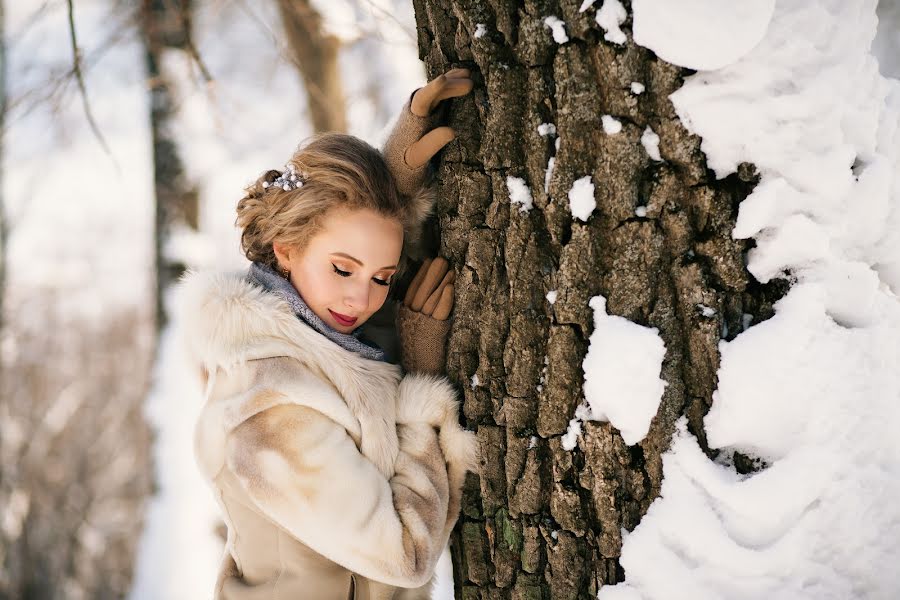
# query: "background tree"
(314, 52)
(543, 522)
(166, 25)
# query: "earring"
(284, 272)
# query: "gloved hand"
(423, 318)
(413, 142)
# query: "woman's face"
(344, 271)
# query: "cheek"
(316, 286)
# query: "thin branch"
(76, 63)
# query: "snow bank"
(701, 34)
(814, 390)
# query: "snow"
(558, 27)
(610, 16)
(611, 125)
(637, 88)
(548, 174)
(480, 30)
(586, 5)
(551, 296)
(701, 34)
(640, 211)
(813, 390)
(519, 193)
(546, 129)
(570, 438)
(474, 381)
(581, 198)
(621, 373)
(650, 141)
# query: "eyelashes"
(348, 273)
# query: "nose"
(357, 297)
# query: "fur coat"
(337, 478)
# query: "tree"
(541, 521)
(315, 54)
(166, 24)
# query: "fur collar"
(225, 321)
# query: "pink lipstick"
(342, 319)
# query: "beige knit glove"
(423, 318)
(413, 142)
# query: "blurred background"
(129, 130)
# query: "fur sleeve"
(304, 472)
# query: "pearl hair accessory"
(290, 179)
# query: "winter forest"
(675, 229)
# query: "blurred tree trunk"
(315, 54)
(166, 25)
(4, 224)
(543, 522)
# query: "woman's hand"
(422, 319)
(452, 84)
(414, 140)
(431, 290)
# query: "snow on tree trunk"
(562, 96)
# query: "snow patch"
(622, 368)
(551, 296)
(611, 125)
(519, 193)
(610, 16)
(546, 129)
(581, 198)
(637, 88)
(480, 30)
(650, 141)
(558, 27)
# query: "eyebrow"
(357, 261)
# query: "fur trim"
(224, 321)
(431, 399)
(418, 209)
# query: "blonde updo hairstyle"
(339, 171)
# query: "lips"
(342, 319)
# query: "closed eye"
(348, 274)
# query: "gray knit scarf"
(266, 278)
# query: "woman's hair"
(336, 171)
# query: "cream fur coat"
(337, 477)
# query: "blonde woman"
(338, 476)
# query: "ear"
(283, 253)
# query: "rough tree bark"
(315, 53)
(542, 522)
(166, 24)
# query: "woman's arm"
(303, 471)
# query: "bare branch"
(76, 67)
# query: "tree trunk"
(315, 53)
(4, 224)
(166, 24)
(543, 522)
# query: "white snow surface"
(519, 193)
(581, 198)
(610, 16)
(700, 34)
(813, 391)
(621, 373)
(650, 141)
(637, 88)
(611, 125)
(558, 28)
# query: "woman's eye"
(381, 281)
(339, 272)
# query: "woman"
(337, 476)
